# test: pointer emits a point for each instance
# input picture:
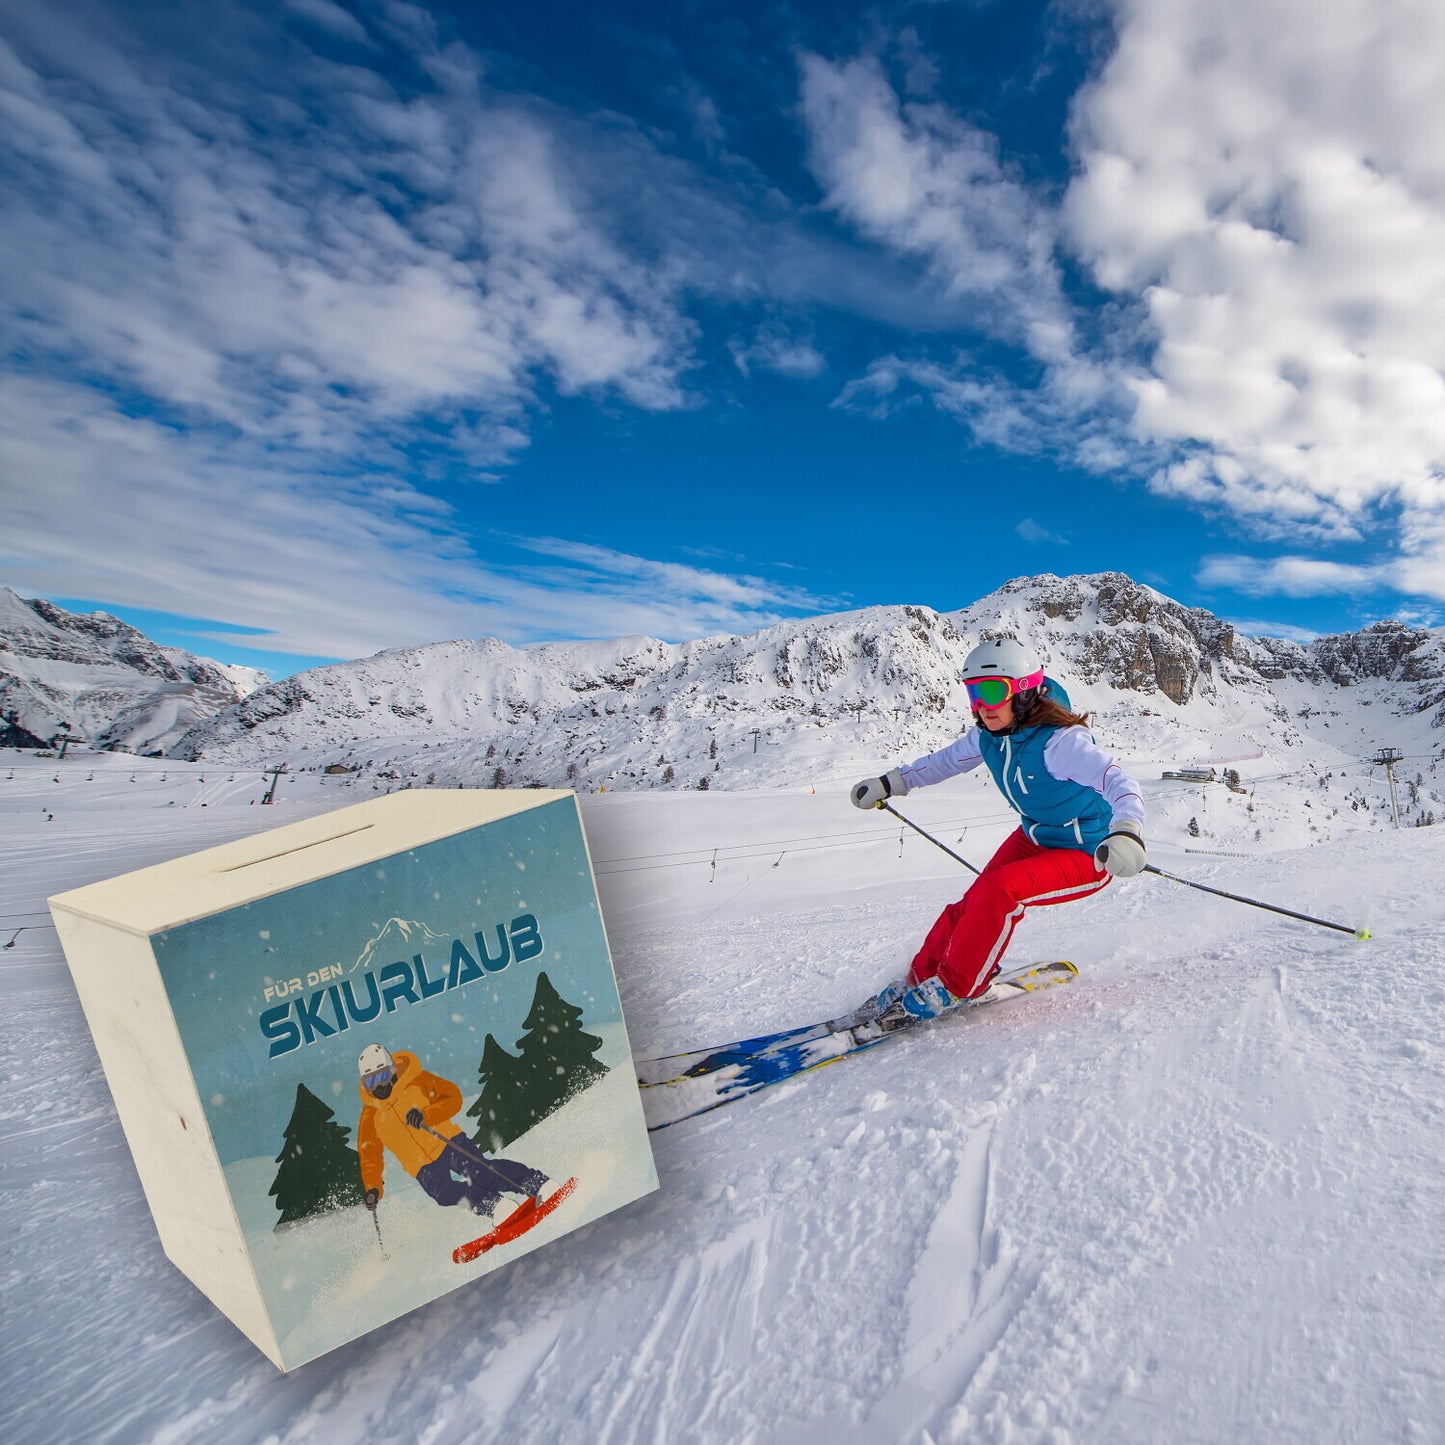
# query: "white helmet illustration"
(374, 1060)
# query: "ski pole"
(486, 1164)
(379, 1241)
(889, 808)
(1358, 933)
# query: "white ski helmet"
(1003, 657)
(374, 1059)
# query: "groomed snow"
(1194, 1196)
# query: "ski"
(673, 1100)
(518, 1222)
(706, 1061)
(694, 1064)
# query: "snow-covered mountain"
(810, 700)
(99, 678)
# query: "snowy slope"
(1194, 1195)
(102, 680)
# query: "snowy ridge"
(811, 703)
(103, 680)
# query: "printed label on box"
(412, 1070)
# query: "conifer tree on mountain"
(318, 1170)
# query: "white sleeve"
(958, 757)
(1073, 756)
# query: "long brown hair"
(1044, 712)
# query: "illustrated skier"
(1081, 814)
(409, 1111)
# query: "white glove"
(1122, 852)
(874, 792)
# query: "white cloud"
(773, 348)
(1291, 576)
(1031, 531)
(280, 267)
(929, 186)
(1267, 180)
(1255, 627)
(1261, 184)
(100, 503)
(287, 277)
(1072, 410)
(200, 250)
(695, 601)
(924, 182)
(332, 18)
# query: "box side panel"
(476, 965)
(216, 879)
(576, 809)
(131, 1021)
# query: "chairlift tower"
(1387, 758)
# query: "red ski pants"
(969, 938)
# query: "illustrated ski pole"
(1358, 933)
(379, 1240)
(475, 1158)
(889, 808)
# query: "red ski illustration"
(518, 1222)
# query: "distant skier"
(1082, 822)
(409, 1111)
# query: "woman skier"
(1082, 822)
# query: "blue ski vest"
(1055, 813)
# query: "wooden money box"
(362, 1059)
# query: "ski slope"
(1193, 1196)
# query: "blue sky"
(338, 326)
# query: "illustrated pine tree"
(554, 1063)
(319, 1169)
(501, 1108)
(556, 1050)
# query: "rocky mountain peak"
(637, 711)
(101, 677)
(1384, 649)
(1117, 632)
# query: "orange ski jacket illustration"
(383, 1121)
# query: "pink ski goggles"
(995, 691)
